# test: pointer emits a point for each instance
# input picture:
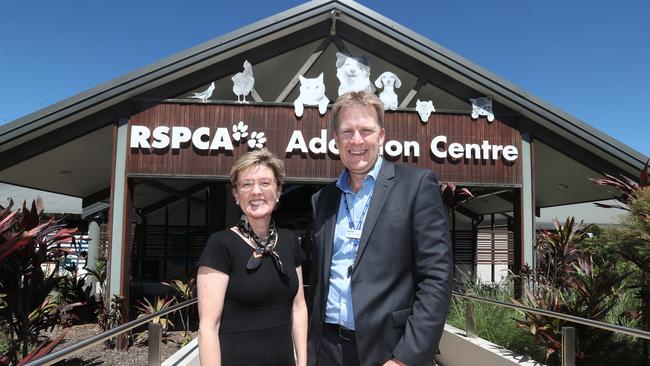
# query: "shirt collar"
(343, 184)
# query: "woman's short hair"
(258, 157)
(357, 99)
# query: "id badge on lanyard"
(354, 230)
(353, 233)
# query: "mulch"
(99, 354)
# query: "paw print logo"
(257, 140)
(239, 131)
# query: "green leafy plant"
(630, 240)
(75, 298)
(544, 329)
(595, 291)
(98, 273)
(30, 253)
(145, 308)
(183, 291)
(495, 323)
(111, 316)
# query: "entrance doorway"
(175, 217)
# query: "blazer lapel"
(383, 186)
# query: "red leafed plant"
(42, 349)
(564, 280)
(626, 188)
(452, 196)
(30, 253)
(630, 239)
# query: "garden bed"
(100, 355)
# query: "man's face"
(359, 138)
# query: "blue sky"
(589, 58)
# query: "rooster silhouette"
(243, 82)
(204, 95)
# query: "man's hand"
(394, 362)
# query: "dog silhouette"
(353, 73)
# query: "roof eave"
(144, 79)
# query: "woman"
(252, 308)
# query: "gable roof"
(102, 105)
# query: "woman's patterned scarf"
(265, 246)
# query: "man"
(381, 281)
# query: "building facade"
(153, 148)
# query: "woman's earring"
(237, 202)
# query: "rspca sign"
(224, 139)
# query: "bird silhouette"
(204, 95)
(243, 82)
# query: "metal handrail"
(572, 318)
(78, 347)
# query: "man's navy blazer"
(402, 275)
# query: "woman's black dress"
(256, 320)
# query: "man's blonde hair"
(357, 99)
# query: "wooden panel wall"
(278, 123)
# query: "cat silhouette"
(312, 93)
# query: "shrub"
(495, 323)
(145, 308)
(630, 241)
(183, 291)
(30, 254)
(567, 281)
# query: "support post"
(527, 198)
(524, 212)
(93, 254)
(568, 346)
(154, 344)
(120, 224)
(518, 241)
(470, 324)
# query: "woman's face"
(257, 191)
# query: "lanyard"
(354, 230)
